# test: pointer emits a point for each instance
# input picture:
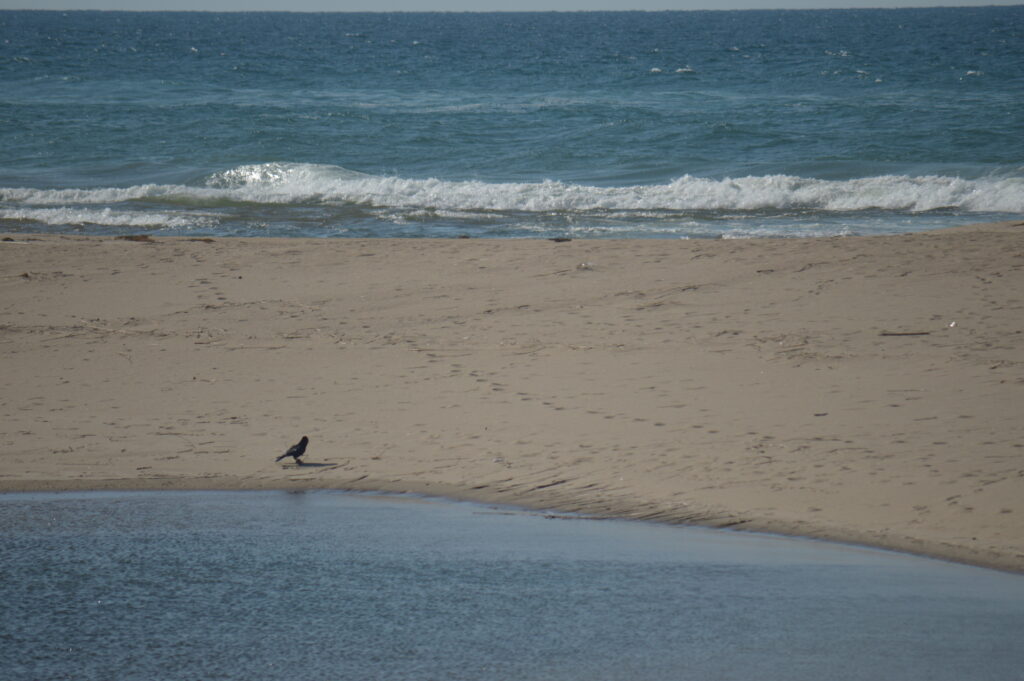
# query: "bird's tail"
(280, 457)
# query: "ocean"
(710, 124)
(317, 586)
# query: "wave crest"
(283, 182)
(325, 185)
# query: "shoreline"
(864, 390)
(529, 503)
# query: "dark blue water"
(324, 585)
(667, 124)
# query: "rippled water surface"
(324, 585)
(583, 124)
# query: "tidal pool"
(330, 585)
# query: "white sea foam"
(105, 216)
(767, 232)
(44, 197)
(333, 184)
(289, 183)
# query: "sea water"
(333, 586)
(593, 124)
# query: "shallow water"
(326, 585)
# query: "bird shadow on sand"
(310, 465)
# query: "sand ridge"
(864, 389)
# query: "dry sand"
(865, 389)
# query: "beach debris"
(549, 484)
(905, 333)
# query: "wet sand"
(862, 389)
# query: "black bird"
(296, 451)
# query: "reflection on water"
(325, 585)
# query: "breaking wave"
(323, 200)
(297, 183)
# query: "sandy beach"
(862, 389)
